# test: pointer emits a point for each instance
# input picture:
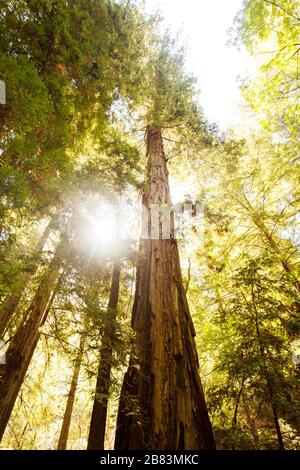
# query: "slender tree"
(99, 413)
(12, 300)
(23, 344)
(266, 373)
(65, 428)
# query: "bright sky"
(204, 25)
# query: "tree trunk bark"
(24, 342)
(11, 302)
(99, 413)
(162, 404)
(64, 433)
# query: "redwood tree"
(162, 404)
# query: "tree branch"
(283, 9)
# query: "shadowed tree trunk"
(237, 403)
(64, 433)
(162, 404)
(11, 302)
(99, 413)
(23, 344)
(251, 423)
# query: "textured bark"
(24, 342)
(99, 413)
(11, 302)
(64, 433)
(162, 404)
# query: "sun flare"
(104, 227)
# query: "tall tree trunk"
(11, 302)
(99, 413)
(162, 404)
(64, 433)
(24, 342)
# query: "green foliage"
(83, 78)
(251, 346)
(270, 30)
(64, 66)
